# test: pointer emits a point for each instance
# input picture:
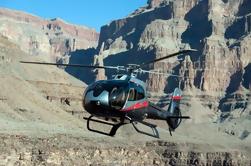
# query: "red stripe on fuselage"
(136, 106)
(176, 97)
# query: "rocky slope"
(32, 98)
(54, 39)
(82, 151)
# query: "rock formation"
(218, 29)
(55, 39)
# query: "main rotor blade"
(72, 65)
(166, 57)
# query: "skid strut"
(155, 133)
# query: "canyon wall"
(217, 75)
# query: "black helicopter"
(124, 99)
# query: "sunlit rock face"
(218, 29)
(54, 39)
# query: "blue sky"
(91, 13)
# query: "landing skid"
(115, 127)
(112, 131)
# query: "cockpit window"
(117, 97)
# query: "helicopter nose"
(93, 101)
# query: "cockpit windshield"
(117, 97)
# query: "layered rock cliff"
(217, 75)
(55, 39)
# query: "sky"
(90, 13)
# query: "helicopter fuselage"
(117, 98)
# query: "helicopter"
(124, 99)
